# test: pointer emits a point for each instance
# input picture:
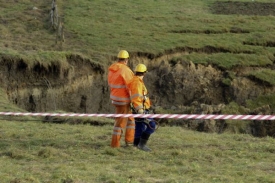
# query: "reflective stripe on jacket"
(118, 77)
(138, 94)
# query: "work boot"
(129, 145)
(136, 141)
(142, 145)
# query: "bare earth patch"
(243, 8)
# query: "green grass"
(156, 26)
(35, 152)
(228, 61)
(265, 75)
(261, 101)
(103, 27)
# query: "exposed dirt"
(244, 8)
(175, 86)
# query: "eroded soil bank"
(175, 87)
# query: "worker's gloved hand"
(140, 111)
(147, 111)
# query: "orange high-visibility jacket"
(118, 77)
(138, 94)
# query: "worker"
(118, 76)
(141, 104)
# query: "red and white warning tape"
(177, 116)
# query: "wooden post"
(60, 32)
(54, 15)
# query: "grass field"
(225, 35)
(41, 152)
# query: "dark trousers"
(143, 126)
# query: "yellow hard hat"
(140, 68)
(123, 54)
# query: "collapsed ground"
(176, 86)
